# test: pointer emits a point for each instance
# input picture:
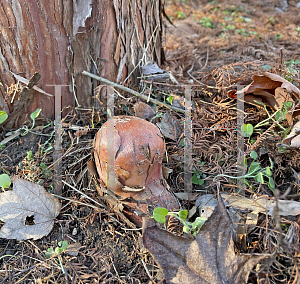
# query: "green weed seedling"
(277, 116)
(3, 116)
(256, 171)
(206, 22)
(291, 67)
(5, 181)
(62, 246)
(170, 99)
(197, 178)
(21, 131)
(180, 15)
(160, 213)
(247, 129)
(33, 116)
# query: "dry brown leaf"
(27, 199)
(263, 205)
(187, 196)
(92, 168)
(266, 97)
(178, 102)
(293, 139)
(208, 259)
(144, 111)
(73, 249)
(271, 88)
(285, 83)
(170, 127)
(151, 68)
(281, 96)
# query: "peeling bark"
(60, 39)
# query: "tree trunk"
(60, 39)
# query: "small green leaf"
(183, 214)
(43, 166)
(268, 172)
(35, 114)
(271, 184)
(159, 214)
(29, 155)
(196, 179)
(247, 129)
(288, 104)
(272, 164)
(186, 229)
(57, 250)
(3, 116)
(279, 116)
(266, 67)
(199, 222)
(5, 181)
(63, 245)
(281, 150)
(170, 99)
(254, 166)
(253, 155)
(259, 177)
(48, 255)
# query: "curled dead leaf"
(269, 88)
(170, 126)
(293, 139)
(143, 111)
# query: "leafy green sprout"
(206, 22)
(278, 116)
(33, 116)
(180, 15)
(160, 213)
(291, 69)
(197, 177)
(256, 171)
(272, 21)
(5, 181)
(29, 156)
(3, 116)
(62, 246)
(170, 99)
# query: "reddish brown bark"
(60, 39)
